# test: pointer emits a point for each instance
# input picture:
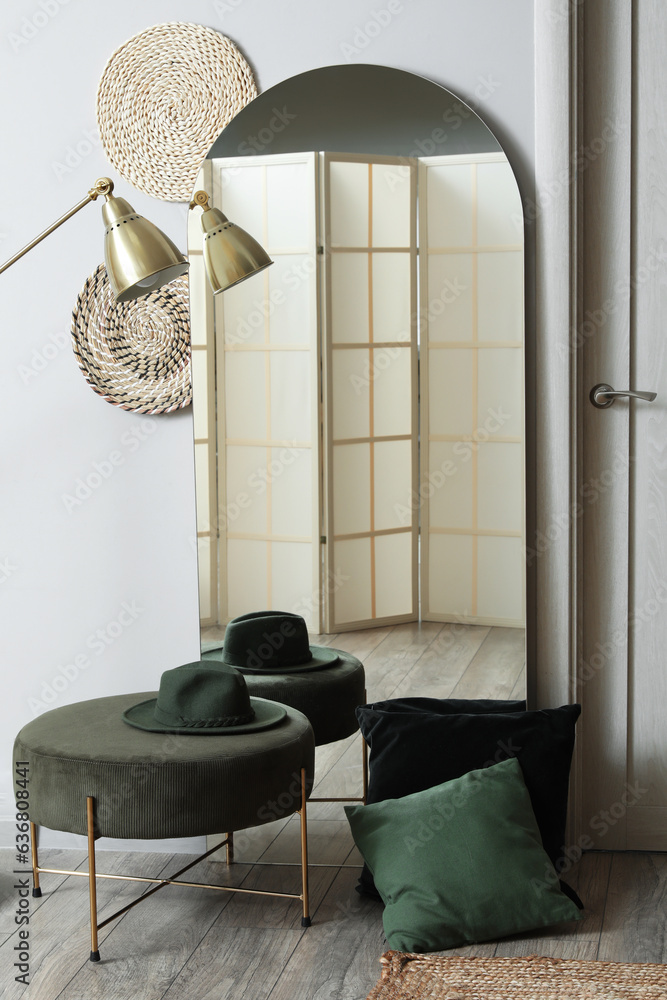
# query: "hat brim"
(267, 714)
(322, 658)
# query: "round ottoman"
(82, 769)
(328, 698)
(157, 785)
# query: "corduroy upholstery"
(155, 785)
(328, 698)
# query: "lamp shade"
(230, 254)
(138, 256)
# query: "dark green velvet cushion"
(416, 743)
(460, 862)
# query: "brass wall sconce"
(139, 257)
(230, 254)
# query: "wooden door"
(621, 673)
(647, 708)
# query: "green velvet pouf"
(328, 697)
(156, 785)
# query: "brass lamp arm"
(102, 186)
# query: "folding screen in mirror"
(369, 343)
(326, 455)
(471, 492)
(258, 450)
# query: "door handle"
(603, 395)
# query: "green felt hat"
(270, 642)
(199, 699)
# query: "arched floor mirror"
(359, 406)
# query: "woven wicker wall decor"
(135, 354)
(163, 98)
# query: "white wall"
(67, 573)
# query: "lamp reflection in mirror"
(139, 257)
(230, 254)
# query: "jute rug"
(430, 977)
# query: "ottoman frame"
(228, 843)
(158, 883)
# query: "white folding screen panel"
(203, 405)
(472, 376)
(369, 360)
(268, 402)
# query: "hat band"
(183, 723)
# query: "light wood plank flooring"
(188, 945)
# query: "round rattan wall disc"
(164, 96)
(134, 354)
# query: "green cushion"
(460, 862)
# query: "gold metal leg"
(92, 884)
(36, 891)
(157, 884)
(305, 919)
(229, 850)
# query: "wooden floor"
(185, 944)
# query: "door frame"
(552, 533)
(576, 210)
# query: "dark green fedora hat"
(199, 699)
(270, 642)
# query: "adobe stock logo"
(274, 642)
(41, 358)
(77, 152)
(33, 24)
(374, 26)
(103, 469)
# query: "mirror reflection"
(359, 404)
